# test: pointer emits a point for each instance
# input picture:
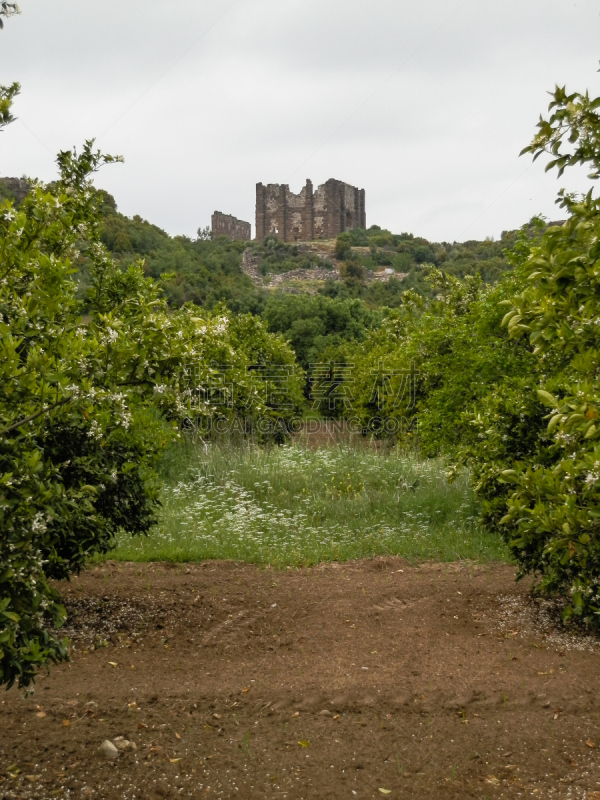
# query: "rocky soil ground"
(363, 680)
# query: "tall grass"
(293, 506)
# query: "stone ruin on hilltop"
(226, 225)
(333, 208)
(322, 214)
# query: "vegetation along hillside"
(320, 296)
(209, 272)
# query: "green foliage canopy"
(7, 95)
(576, 119)
(313, 324)
(204, 271)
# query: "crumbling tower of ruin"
(322, 214)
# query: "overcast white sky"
(425, 105)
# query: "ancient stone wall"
(226, 225)
(322, 214)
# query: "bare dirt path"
(363, 680)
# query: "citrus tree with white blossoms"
(536, 455)
(88, 404)
(554, 511)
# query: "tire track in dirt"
(332, 682)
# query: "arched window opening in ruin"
(348, 220)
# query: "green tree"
(574, 118)
(431, 361)
(7, 95)
(552, 493)
(312, 323)
(86, 408)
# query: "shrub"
(343, 247)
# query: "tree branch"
(34, 416)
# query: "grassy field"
(296, 506)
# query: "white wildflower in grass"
(293, 505)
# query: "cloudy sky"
(425, 105)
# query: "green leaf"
(554, 422)
(508, 316)
(547, 399)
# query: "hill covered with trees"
(209, 272)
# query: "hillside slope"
(373, 265)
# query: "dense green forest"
(198, 271)
(375, 248)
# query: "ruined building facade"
(226, 225)
(322, 214)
